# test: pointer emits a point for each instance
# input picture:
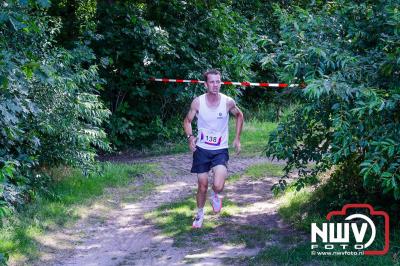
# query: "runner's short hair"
(210, 71)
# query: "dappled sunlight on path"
(121, 235)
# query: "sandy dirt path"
(115, 232)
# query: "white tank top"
(212, 124)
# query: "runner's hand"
(192, 143)
(236, 144)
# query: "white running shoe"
(198, 220)
(216, 202)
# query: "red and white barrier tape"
(246, 84)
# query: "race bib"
(210, 137)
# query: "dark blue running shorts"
(204, 160)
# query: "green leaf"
(376, 168)
(44, 3)
(394, 182)
(23, 3)
(16, 24)
(386, 174)
(4, 17)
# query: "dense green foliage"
(348, 54)
(136, 40)
(49, 104)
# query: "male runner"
(210, 148)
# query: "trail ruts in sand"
(115, 232)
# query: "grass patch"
(233, 178)
(175, 220)
(166, 148)
(249, 235)
(138, 192)
(292, 209)
(295, 209)
(71, 190)
(77, 188)
(259, 171)
(301, 255)
(254, 137)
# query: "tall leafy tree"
(49, 104)
(348, 55)
(136, 40)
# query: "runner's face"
(213, 83)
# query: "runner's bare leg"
(202, 180)
(220, 174)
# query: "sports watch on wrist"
(188, 136)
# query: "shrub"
(51, 113)
(349, 112)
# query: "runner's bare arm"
(187, 123)
(234, 110)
